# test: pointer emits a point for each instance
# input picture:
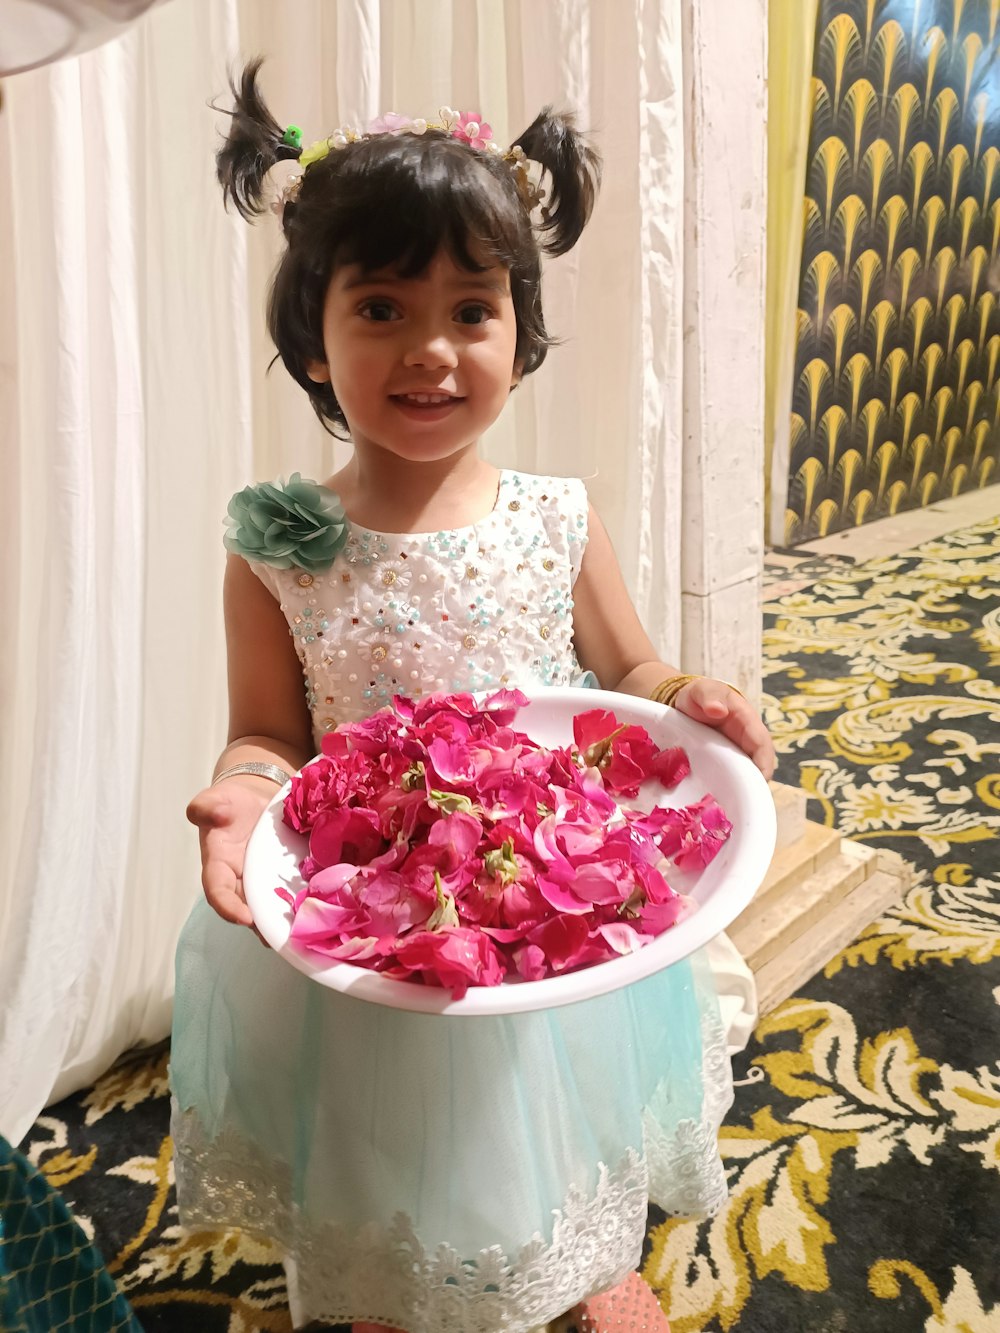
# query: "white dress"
(446, 1175)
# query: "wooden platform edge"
(807, 952)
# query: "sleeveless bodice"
(470, 608)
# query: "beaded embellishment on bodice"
(466, 609)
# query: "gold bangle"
(668, 690)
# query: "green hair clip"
(292, 136)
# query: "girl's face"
(421, 365)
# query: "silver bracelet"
(270, 771)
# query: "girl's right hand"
(225, 816)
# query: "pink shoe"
(630, 1307)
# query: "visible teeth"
(425, 398)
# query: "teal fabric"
(51, 1276)
(472, 1127)
(295, 524)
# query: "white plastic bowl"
(720, 891)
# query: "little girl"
(424, 1172)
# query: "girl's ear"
(318, 372)
(517, 374)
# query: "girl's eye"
(379, 311)
(474, 314)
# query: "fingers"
(715, 708)
(746, 729)
(761, 751)
(225, 896)
(225, 893)
(708, 700)
(210, 811)
(720, 706)
(705, 705)
(213, 811)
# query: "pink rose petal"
(446, 847)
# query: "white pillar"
(722, 549)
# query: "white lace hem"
(387, 1275)
(686, 1176)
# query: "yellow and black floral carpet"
(864, 1155)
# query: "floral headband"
(467, 126)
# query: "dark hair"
(392, 201)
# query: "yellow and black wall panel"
(896, 397)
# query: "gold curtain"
(791, 36)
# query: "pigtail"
(254, 144)
(573, 167)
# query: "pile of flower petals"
(447, 847)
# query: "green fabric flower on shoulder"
(293, 524)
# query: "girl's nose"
(431, 348)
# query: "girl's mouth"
(430, 407)
(425, 399)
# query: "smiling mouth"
(425, 399)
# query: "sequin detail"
(469, 608)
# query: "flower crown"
(467, 126)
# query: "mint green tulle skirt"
(440, 1174)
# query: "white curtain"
(134, 400)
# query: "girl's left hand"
(718, 705)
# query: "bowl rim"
(749, 851)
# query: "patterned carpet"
(865, 1163)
